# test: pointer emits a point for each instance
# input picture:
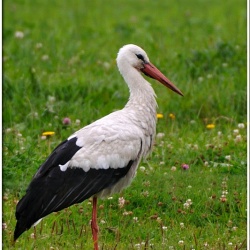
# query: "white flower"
(236, 131)
(78, 122)
(173, 168)
(181, 242)
(135, 219)
(45, 57)
(238, 138)
(182, 225)
(158, 219)
(241, 125)
(160, 135)
(39, 45)
(200, 79)
(121, 202)
(4, 226)
(206, 244)
(32, 236)
(19, 34)
(142, 168)
(164, 228)
(228, 157)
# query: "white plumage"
(101, 158)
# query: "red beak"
(151, 71)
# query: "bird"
(101, 158)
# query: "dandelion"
(171, 116)
(19, 34)
(210, 126)
(66, 121)
(241, 125)
(185, 166)
(48, 133)
(159, 116)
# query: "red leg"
(94, 225)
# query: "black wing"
(52, 190)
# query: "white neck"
(141, 92)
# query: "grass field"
(59, 61)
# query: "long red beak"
(151, 71)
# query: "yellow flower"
(171, 116)
(159, 116)
(48, 133)
(210, 126)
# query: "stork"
(101, 158)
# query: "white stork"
(101, 158)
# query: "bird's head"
(133, 55)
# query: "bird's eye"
(140, 56)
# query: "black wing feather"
(52, 190)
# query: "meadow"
(59, 62)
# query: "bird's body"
(101, 158)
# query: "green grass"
(64, 66)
